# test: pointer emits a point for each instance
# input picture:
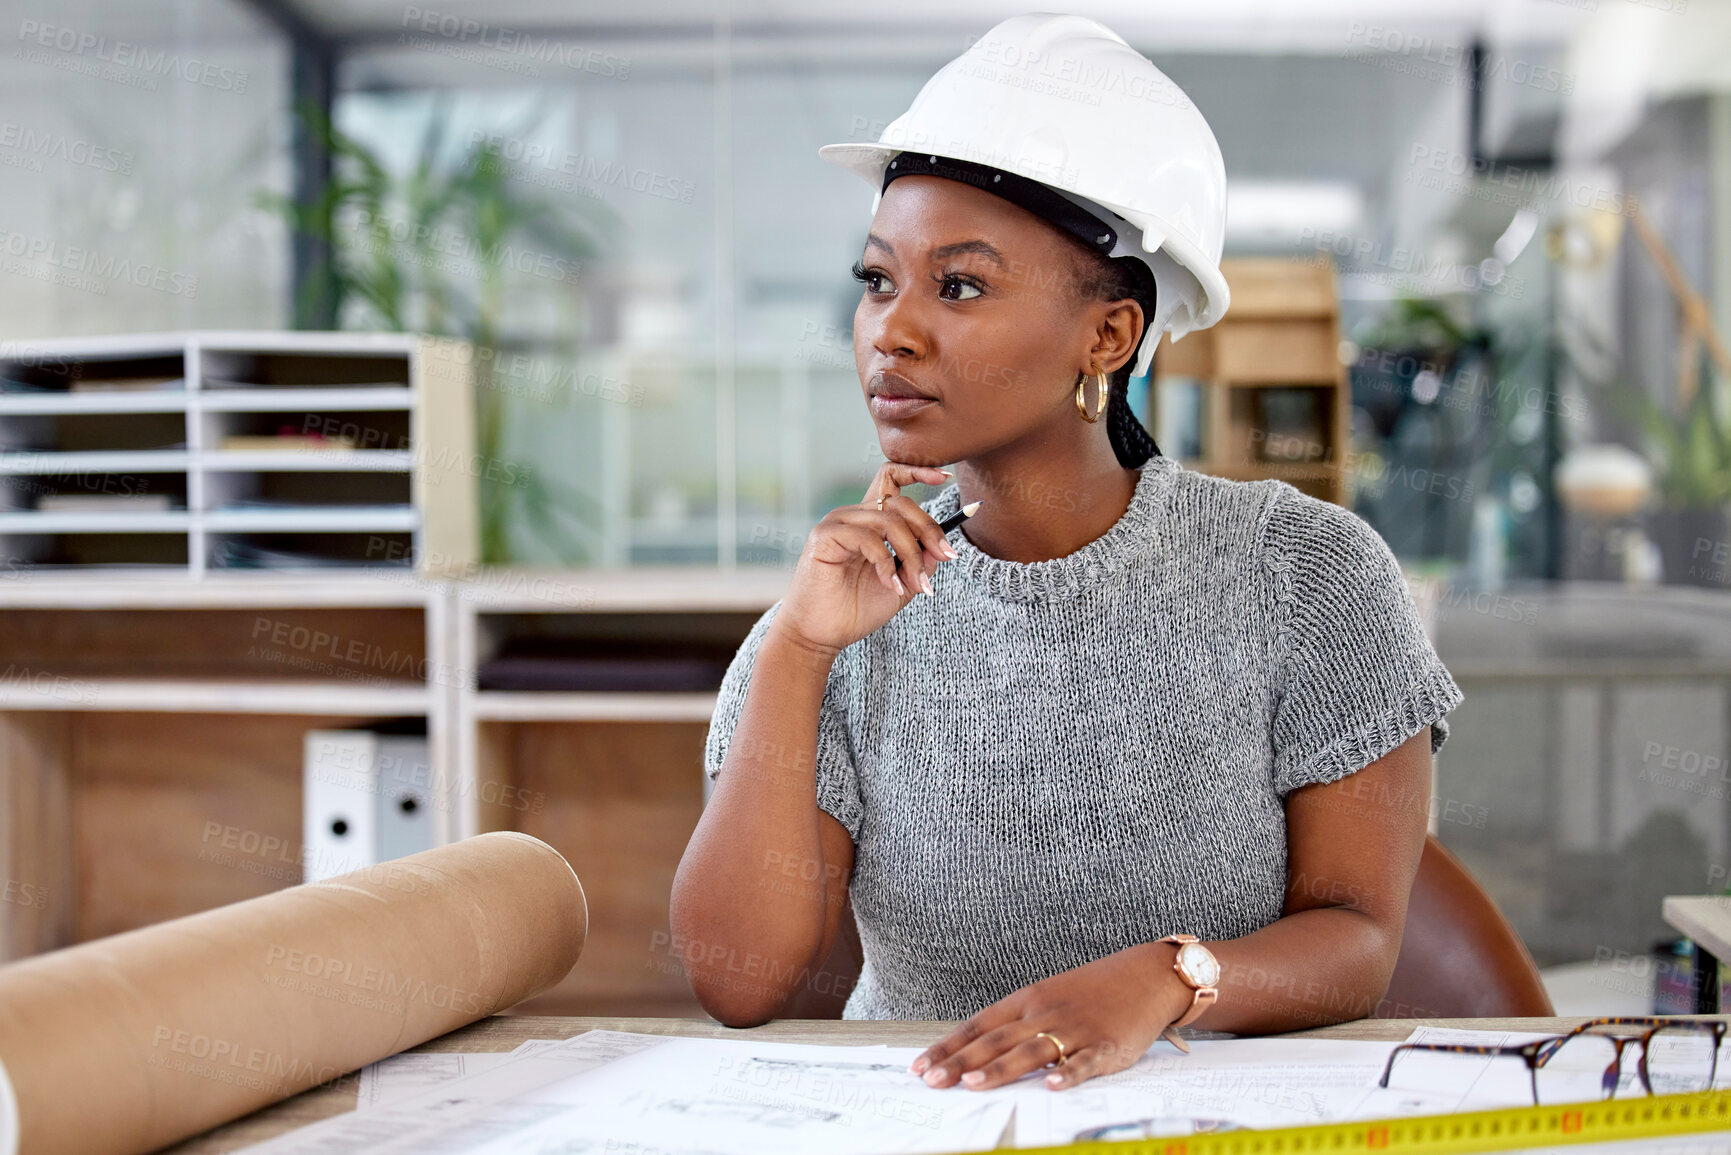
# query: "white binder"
(339, 803)
(405, 812)
(367, 798)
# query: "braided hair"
(1113, 279)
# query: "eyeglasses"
(1676, 1056)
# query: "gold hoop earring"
(1082, 397)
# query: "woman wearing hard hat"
(1133, 747)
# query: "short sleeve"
(837, 780)
(1355, 674)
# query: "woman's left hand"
(1106, 1014)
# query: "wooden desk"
(1706, 919)
(505, 1032)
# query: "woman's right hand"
(845, 584)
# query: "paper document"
(1223, 1084)
(447, 1114)
(720, 1097)
(402, 1075)
(608, 1091)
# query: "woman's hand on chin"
(1105, 1014)
(846, 583)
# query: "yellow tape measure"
(1511, 1129)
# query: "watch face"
(1199, 965)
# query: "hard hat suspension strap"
(1018, 190)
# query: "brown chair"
(1459, 959)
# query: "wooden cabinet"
(151, 734)
(1274, 398)
(151, 737)
(613, 780)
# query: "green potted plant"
(1691, 458)
(395, 278)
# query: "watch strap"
(1200, 1001)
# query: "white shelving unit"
(503, 706)
(138, 712)
(146, 720)
(87, 679)
(125, 421)
(190, 581)
(485, 611)
(613, 779)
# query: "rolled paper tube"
(131, 1042)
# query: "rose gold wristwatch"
(1200, 970)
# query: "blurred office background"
(625, 203)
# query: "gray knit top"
(1051, 761)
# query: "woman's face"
(971, 314)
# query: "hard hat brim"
(867, 161)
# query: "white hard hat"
(1064, 101)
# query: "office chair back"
(1459, 959)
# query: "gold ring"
(1053, 1039)
(882, 497)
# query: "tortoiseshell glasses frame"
(1537, 1054)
